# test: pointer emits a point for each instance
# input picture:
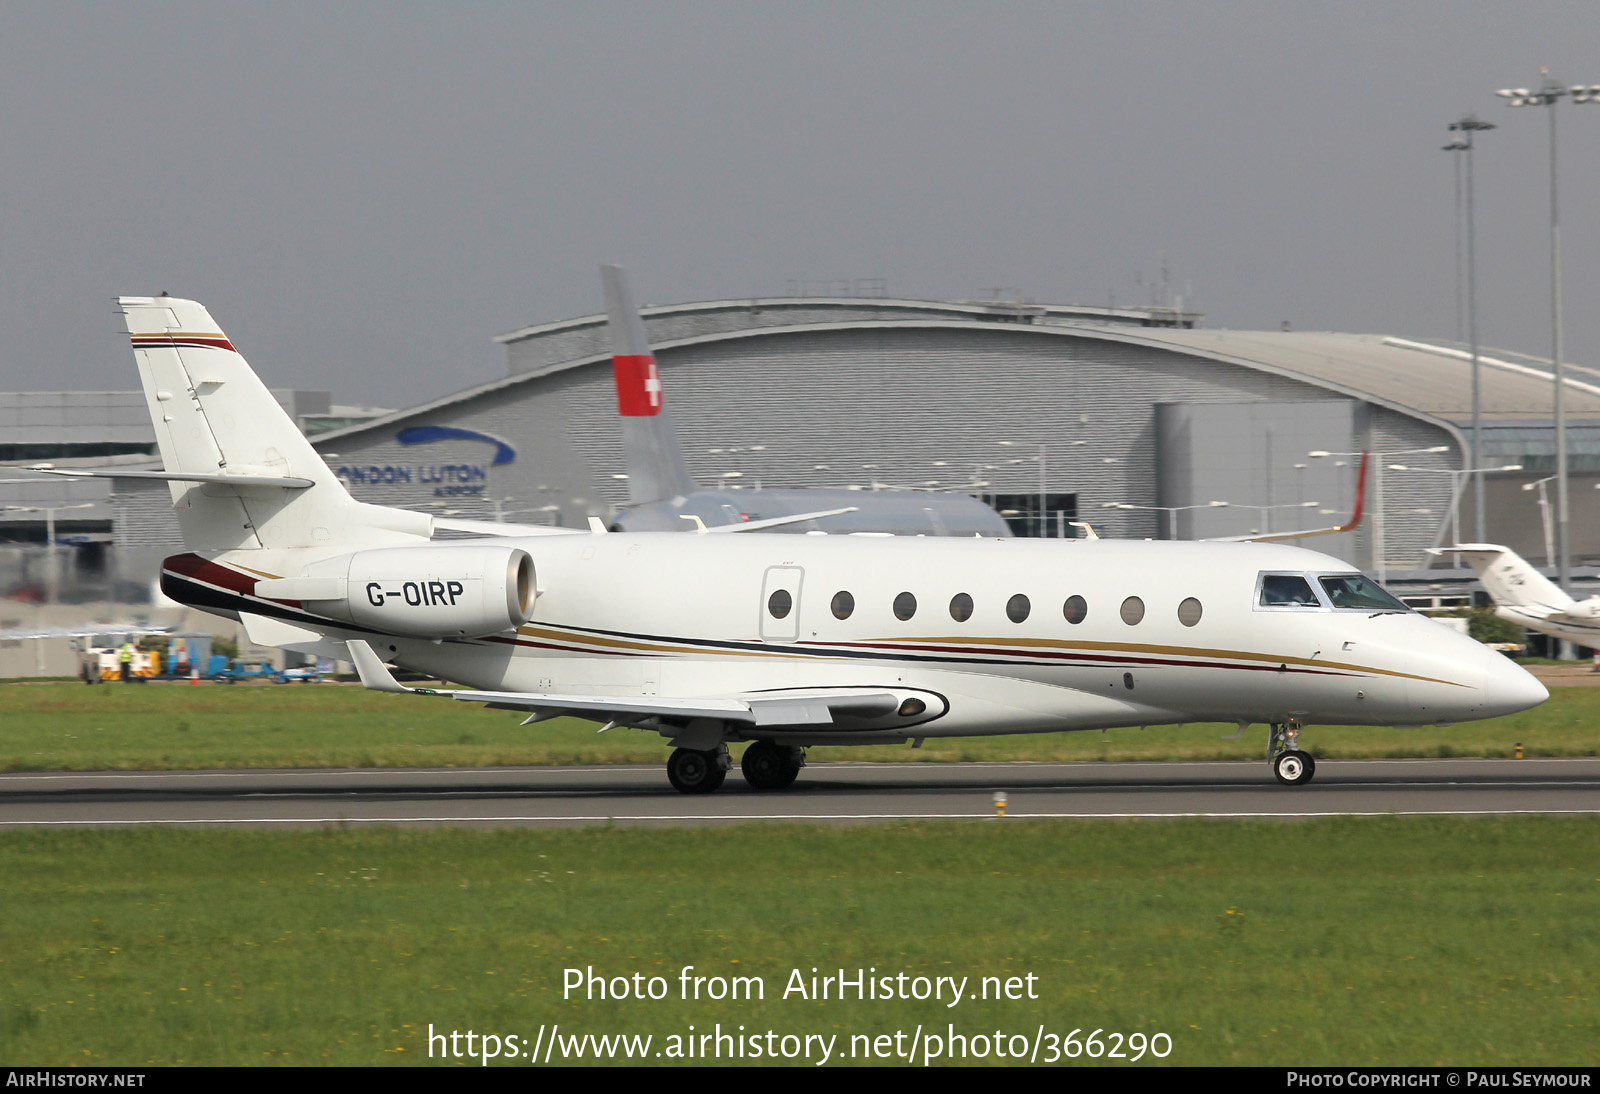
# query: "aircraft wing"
(495, 528)
(770, 522)
(789, 708)
(1347, 526)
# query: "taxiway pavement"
(842, 792)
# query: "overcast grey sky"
(364, 194)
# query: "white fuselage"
(1579, 623)
(691, 615)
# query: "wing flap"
(805, 707)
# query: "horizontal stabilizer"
(288, 482)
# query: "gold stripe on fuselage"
(1021, 645)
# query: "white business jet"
(1527, 598)
(780, 641)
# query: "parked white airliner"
(780, 640)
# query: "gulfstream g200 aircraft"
(781, 641)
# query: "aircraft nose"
(1508, 687)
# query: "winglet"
(1347, 526)
(1361, 496)
(771, 522)
(375, 675)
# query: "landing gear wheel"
(770, 766)
(694, 772)
(1294, 768)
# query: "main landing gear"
(768, 765)
(695, 772)
(1291, 766)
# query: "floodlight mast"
(1548, 94)
(1467, 126)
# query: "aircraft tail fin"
(1511, 581)
(656, 468)
(256, 481)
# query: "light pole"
(1467, 126)
(1548, 94)
(52, 577)
(1380, 563)
(1544, 516)
(1044, 530)
(1457, 481)
(49, 512)
(1172, 511)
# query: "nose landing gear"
(1290, 765)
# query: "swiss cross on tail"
(638, 385)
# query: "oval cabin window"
(1017, 608)
(905, 606)
(1075, 609)
(1189, 612)
(780, 603)
(961, 607)
(1132, 610)
(843, 604)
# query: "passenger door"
(780, 603)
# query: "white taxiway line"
(809, 817)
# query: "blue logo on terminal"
(426, 434)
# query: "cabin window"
(780, 603)
(843, 604)
(961, 607)
(1286, 591)
(1361, 592)
(1075, 609)
(1132, 610)
(1017, 608)
(905, 606)
(1189, 612)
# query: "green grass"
(149, 727)
(1365, 941)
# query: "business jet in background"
(663, 498)
(1524, 596)
(782, 642)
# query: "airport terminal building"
(1136, 421)
(1054, 414)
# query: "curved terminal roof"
(1433, 378)
(1429, 380)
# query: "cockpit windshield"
(1359, 591)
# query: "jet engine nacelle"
(420, 592)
